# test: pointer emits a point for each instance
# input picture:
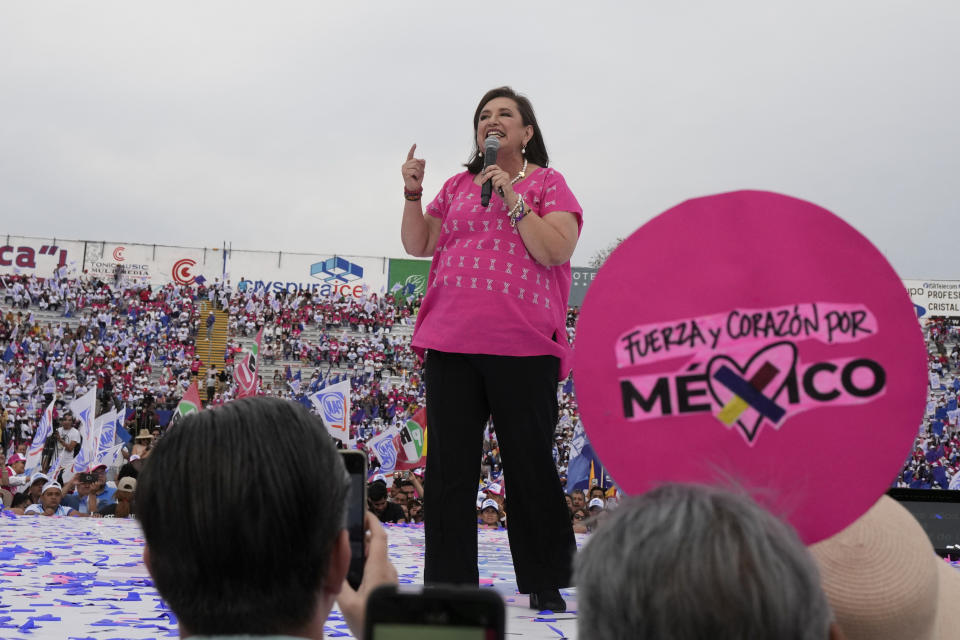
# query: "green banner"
(408, 277)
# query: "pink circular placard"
(752, 339)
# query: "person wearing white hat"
(885, 581)
(49, 504)
(595, 506)
(489, 514)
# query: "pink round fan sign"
(752, 339)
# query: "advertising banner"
(935, 297)
(581, 277)
(328, 275)
(408, 277)
(39, 256)
(151, 264)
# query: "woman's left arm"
(550, 240)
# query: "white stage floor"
(81, 578)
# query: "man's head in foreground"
(239, 552)
(698, 562)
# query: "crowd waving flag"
(401, 448)
(84, 408)
(295, 382)
(44, 431)
(106, 438)
(190, 402)
(247, 370)
(332, 403)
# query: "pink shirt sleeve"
(558, 197)
(439, 206)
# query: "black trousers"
(463, 391)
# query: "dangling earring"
(523, 150)
(479, 154)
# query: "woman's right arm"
(418, 231)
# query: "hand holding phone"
(377, 571)
(356, 465)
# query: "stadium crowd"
(138, 345)
(935, 460)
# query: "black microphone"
(490, 147)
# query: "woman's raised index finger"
(412, 149)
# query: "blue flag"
(123, 434)
(295, 383)
(578, 471)
(940, 477)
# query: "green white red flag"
(247, 369)
(190, 402)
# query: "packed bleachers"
(142, 346)
(935, 460)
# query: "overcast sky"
(283, 125)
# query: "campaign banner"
(935, 297)
(408, 277)
(152, 264)
(42, 257)
(332, 403)
(328, 275)
(722, 326)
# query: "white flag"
(84, 408)
(385, 448)
(44, 430)
(333, 405)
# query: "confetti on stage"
(82, 578)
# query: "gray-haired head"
(686, 562)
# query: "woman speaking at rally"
(492, 331)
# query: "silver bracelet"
(518, 212)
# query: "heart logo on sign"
(748, 394)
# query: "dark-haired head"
(377, 491)
(242, 507)
(536, 151)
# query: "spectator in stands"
(698, 562)
(385, 510)
(280, 579)
(78, 493)
(490, 514)
(579, 520)
(415, 510)
(50, 503)
(68, 439)
(100, 488)
(124, 505)
(142, 444)
(12, 477)
(579, 502)
(20, 502)
(35, 488)
(211, 382)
